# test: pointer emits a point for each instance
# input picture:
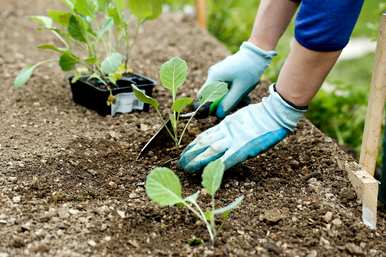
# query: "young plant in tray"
(94, 40)
(164, 188)
(173, 74)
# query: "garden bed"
(70, 184)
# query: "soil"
(70, 184)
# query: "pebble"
(121, 214)
(73, 211)
(16, 199)
(327, 217)
(4, 255)
(12, 179)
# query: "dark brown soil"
(70, 184)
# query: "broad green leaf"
(42, 21)
(213, 92)
(173, 74)
(212, 176)
(144, 98)
(77, 29)
(181, 103)
(147, 9)
(230, 206)
(68, 61)
(85, 7)
(193, 198)
(106, 26)
(24, 75)
(111, 63)
(52, 47)
(163, 187)
(91, 60)
(60, 17)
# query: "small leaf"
(68, 61)
(60, 17)
(24, 75)
(163, 187)
(111, 63)
(77, 29)
(144, 98)
(52, 47)
(230, 206)
(42, 21)
(173, 74)
(193, 198)
(212, 176)
(85, 7)
(181, 103)
(213, 92)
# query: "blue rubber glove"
(242, 71)
(243, 134)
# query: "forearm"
(271, 21)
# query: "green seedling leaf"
(69, 3)
(106, 26)
(195, 241)
(144, 98)
(42, 21)
(173, 74)
(193, 198)
(226, 210)
(116, 16)
(181, 103)
(85, 7)
(212, 176)
(213, 92)
(111, 63)
(60, 17)
(144, 10)
(53, 48)
(24, 75)
(163, 187)
(68, 61)
(77, 29)
(103, 4)
(121, 4)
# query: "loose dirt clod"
(69, 156)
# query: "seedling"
(91, 34)
(173, 74)
(164, 188)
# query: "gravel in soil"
(70, 184)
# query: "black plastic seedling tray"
(93, 94)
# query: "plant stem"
(200, 214)
(212, 221)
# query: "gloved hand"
(243, 134)
(242, 71)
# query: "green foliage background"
(338, 111)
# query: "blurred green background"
(340, 106)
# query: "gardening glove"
(243, 134)
(242, 71)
